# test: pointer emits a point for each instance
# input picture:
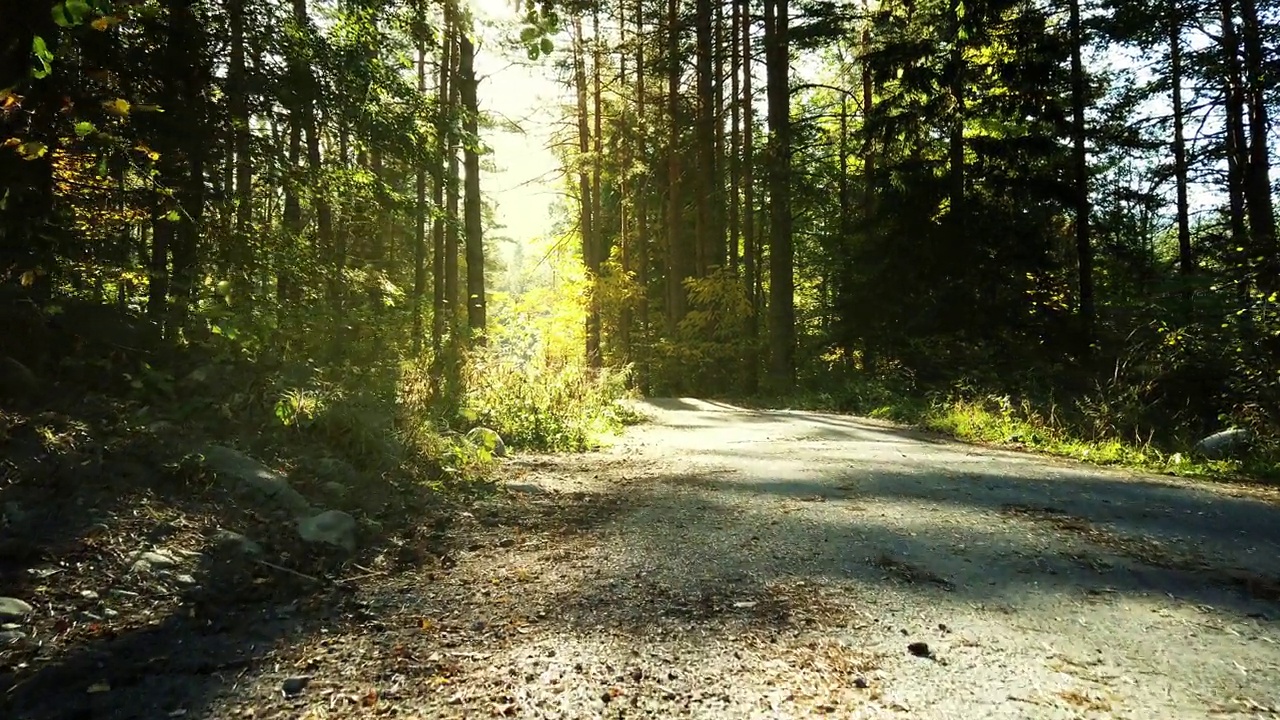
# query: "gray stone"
(185, 579)
(9, 637)
(253, 476)
(489, 439)
(89, 594)
(335, 470)
(158, 559)
(14, 609)
(16, 380)
(335, 490)
(231, 539)
(13, 513)
(292, 687)
(331, 527)
(1223, 445)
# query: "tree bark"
(1258, 177)
(1186, 263)
(782, 335)
(474, 231)
(1084, 245)
(750, 253)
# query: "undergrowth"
(1090, 429)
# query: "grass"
(1085, 434)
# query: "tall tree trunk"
(735, 130)
(1084, 246)
(956, 143)
(238, 106)
(720, 247)
(642, 203)
(1262, 222)
(420, 206)
(587, 206)
(1236, 144)
(598, 251)
(1186, 263)
(750, 253)
(704, 137)
(475, 238)
(441, 302)
(627, 206)
(677, 264)
(782, 337)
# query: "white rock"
(13, 608)
(331, 527)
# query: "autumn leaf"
(28, 278)
(118, 107)
(106, 22)
(32, 150)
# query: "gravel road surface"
(720, 562)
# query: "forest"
(1028, 222)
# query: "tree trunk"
(598, 251)
(750, 254)
(1186, 263)
(735, 131)
(238, 106)
(1236, 144)
(441, 301)
(642, 204)
(1084, 246)
(705, 139)
(782, 337)
(475, 239)
(1258, 178)
(677, 264)
(586, 209)
(420, 210)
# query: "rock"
(1224, 444)
(861, 683)
(158, 559)
(253, 476)
(185, 579)
(488, 439)
(335, 490)
(331, 527)
(9, 637)
(14, 609)
(337, 471)
(16, 380)
(920, 649)
(89, 594)
(234, 540)
(293, 687)
(13, 513)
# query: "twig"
(283, 569)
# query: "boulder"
(252, 476)
(1225, 444)
(13, 609)
(488, 439)
(331, 527)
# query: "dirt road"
(781, 560)
(729, 563)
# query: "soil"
(715, 562)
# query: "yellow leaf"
(105, 22)
(28, 278)
(118, 107)
(32, 150)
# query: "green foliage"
(543, 403)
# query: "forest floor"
(715, 562)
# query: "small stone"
(89, 594)
(292, 687)
(331, 527)
(230, 539)
(158, 559)
(861, 683)
(185, 579)
(943, 627)
(9, 637)
(13, 608)
(920, 649)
